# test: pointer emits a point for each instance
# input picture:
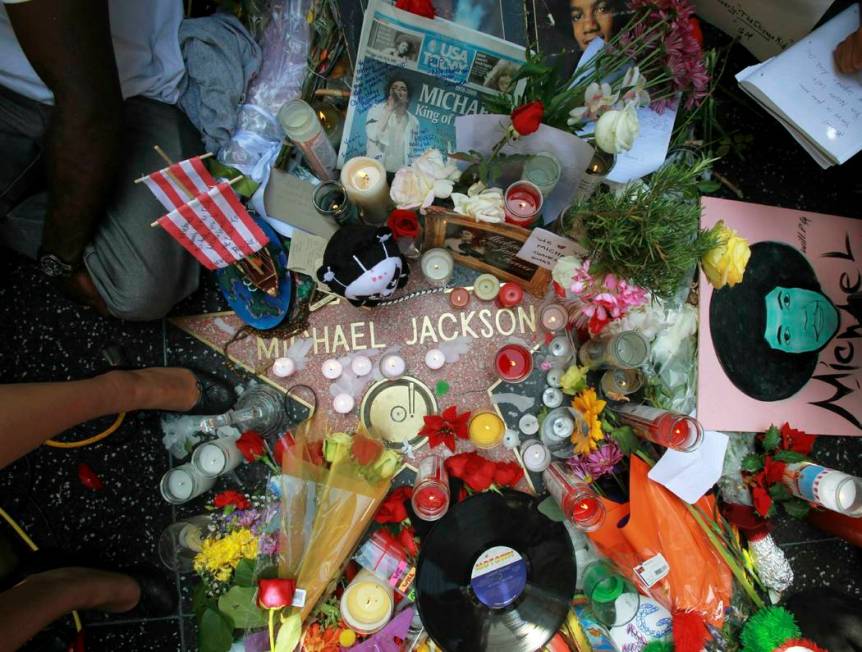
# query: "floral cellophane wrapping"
(325, 512)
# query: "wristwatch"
(54, 267)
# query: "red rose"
(773, 470)
(392, 510)
(276, 593)
(251, 445)
(419, 7)
(403, 223)
(314, 452)
(88, 477)
(762, 501)
(796, 440)
(231, 497)
(696, 32)
(507, 474)
(365, 450)
(407, 538)
(284, 443)
(476, 471)
(527, 117)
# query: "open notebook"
(802, 89)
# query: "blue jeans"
(140, 272)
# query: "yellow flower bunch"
(219, 557)
(590, 407)
(725, 263)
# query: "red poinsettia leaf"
(445, 438)
(450, 413)
(762, 501)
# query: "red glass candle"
(513, 363)
(510, 295)
(523, 202)
(430, 497)
(459, 298)
(579, 503)
(662, 427)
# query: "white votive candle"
(361, 365)
(536, 456)
(437, 266)
(184, 482)
(435, 359)
(331, 369)
(343, 403)
(216, 457)
(393, 366)
(364, 180)
(528, 424)
(283, 367)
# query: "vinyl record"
(495, 574)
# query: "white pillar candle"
(536, 456)
(361, 365)
(437, 266)
(343, 403)
(214, 458)
(283, 367)
(435, 359)
(393, 366)
(364, 179)
(331, 369)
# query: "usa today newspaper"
(414, 76)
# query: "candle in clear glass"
(663, 427)
(625, 350)
(216, 457)
(621, 381)
(459, 298)
(180, 542)
(535, 455)
(552, 397)
(302, 126)
(834, 490)
(510, 295)
(330, 200)
(543, 170)
(367, 603)
(561, 350)
(437, 266)
(579, 504)
(182, 483)
(513, 363)
(596, 172)
(553, 317)
(364, 180)
(522, 203)
(486, 430)
(557, 429)
(430, 497)
(486, 287)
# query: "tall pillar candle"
(214, 458)
(663, 427)
(182, 483)
(578, 502)
(364, 180)
(834, 490)
(303, 127)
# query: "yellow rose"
(725, 263)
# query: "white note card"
(544, 248)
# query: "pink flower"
(603, 299)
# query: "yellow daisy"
(219, 557)
(590, 407)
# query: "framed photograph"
(486, 247)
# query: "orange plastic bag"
(698, 579)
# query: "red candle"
(510, 295)
(663, 427)
(459, 297)
(430, 498)
(523, 203)
(514, 363)
(585, 509)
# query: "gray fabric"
(140, 271)
(221, 58)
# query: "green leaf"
(201, 601)
(244, 573)
(245, 188)
(779, 492)
(215, 633)
(239, 603)
(771, 439)
(790, 457)
(551, 509)
(797, 508)
(289, 633)
(752, 463)
(626, 439)
(708, 186)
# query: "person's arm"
(68, 43)
(848, 54)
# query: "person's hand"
(848, 54)
(79, 287)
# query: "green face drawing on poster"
(799, 320)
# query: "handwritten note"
(544, 248)
(801, 87)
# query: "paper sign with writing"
(783, 345)
(544, 248)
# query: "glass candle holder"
(330, 200)
(367, 603)
(180, 542)
(621, 382)
(216, 457)
(626, 350)
(614, 601)
(486, 287)
(535, 455)
(523, 203)
(302, 125)
(459, 298)
(834, 490)
(579, 504)
(430, 497)
(596, 172)
(543, 170)
(182, 483)
(486, 429)
(513, 363)
(553, 317)
(510, 295)
(437, 266)
(663, 427)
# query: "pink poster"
(783, 345)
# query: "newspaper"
(414, 76)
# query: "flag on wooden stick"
(174, 185)
(214, 226)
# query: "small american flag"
(174, 185)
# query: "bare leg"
(30, 413)
(42, 598)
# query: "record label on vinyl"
(499, 576)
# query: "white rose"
(432, 164)
(486, 205)
(616, 130)
(410, 188)
(564, 270)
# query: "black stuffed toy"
(363, 264)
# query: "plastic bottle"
(303, 127)
(260, 408)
